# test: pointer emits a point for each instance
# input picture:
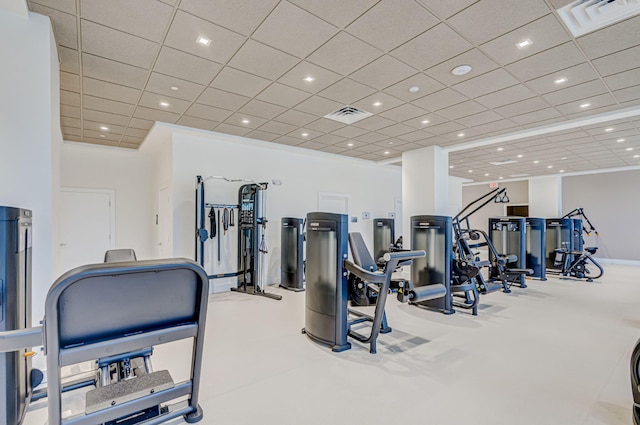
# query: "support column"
(545, 197)
(425, 184)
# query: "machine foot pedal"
(111, 395)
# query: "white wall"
(545, 197)
(372, 188)
(128, 173)
(516, 190)
(29, 133)
(455, 194)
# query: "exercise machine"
(384, 235)
(536, 247)
(327, 292)
(434, 235)
(292, 254)
(15, 311)
(635, 382)
(559, 236)
(175, 294)
(508, 236)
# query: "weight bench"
(166, 301)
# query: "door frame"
(112, 208)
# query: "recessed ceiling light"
(165, 104)
(500, 149)
(524, 43)
(500, 177)
(425, 121)
(460, 134)
(562, 171)
(204, 41)
(102, 135)
(414, 89)
(350, 144)
(470, 171)
(245, 121)
(450, 166)
(377, 103)
(585, 105)
(104, 128)
(461, 70)
(608, 129)
(391, 143)
(563, 158)
(520, 156)
(174, 88)
(628, 149)
(536, 162)
(549, 166)
(305, 134)
(309, 79)
(486, 174)
(387, 152)
(636, 156)
(560, 80)
(620, 140)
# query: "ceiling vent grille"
(508, 161)
(348, 115)
(585, 16)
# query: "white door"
(164, 220)
(86, 226)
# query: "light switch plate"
(392, 215)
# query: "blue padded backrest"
(361, 255)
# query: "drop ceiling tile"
(131, 142)
(480, 62)
(239, 82)
(618, 62)
(318, 106)
(333, 149)
(368, 148)
(99, 141)
(293, 30)
(238, 118)
(68, 6)
(107, 43)
(210, 113)
(544, 33)
(310, 134)
(404, 112)
(222, 99)
(439, 100)
(571, 135)
(487, 83)
(628, 94)
(594, 111)
(426, 85)
(153, 100)
(446, 8)
(69, 111)
(480, 118)
(537, 116)
(344, 54)
(325, 125)
(140, 123)
(432, 119)
(371, 157)
(135, 132)
(242, 16)
(482, 22)
(408, 147)
(280, 94)
(106, 105)
(414, 136)
(232, 129)
(522, 107)
(575, 93)
(506, 96)
(391, 23)
(104, 118)
(547, 62)
(329, 139)
(112, 71)
(350, 132)
(371, 137)
(373, 123)
(623, 79)
(185, 66)
(575, 75)
(262, 109)
(91, 124)
(312, 145)
(444, 128)
(69, 82)
(143, 18)
(70, 131)
(383, 72)
(111, 91)
(69, 98)
(161, 84)
(264, 61)
(611, 39)
(346, 91)
(155, 114)
(432, 141)
(387, 102)
(262, 135)
(596, 102)
(323, 78)
(186, 29)
(286, 140)
(64, 25)
(69, 61)
(396, 130)
(102, 135)
(278, 128)
(297, 118)
(420, 52)
(336, 12)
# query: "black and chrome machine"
(536, 247)
(327, 293)
(79, 328)
(292, 254)
(508, 236)
(559, 236)
(384, 235)
(15, 311)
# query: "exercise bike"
(576, 263)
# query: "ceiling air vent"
(585, 16)
(348, 115)
(508, 161)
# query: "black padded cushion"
(361, 255)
